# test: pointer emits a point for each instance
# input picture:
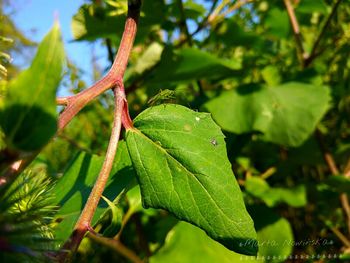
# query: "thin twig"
(216, 17)
(233, 8)
(84, 222)
(62, 101)
(296, 31)
(328, 157)
(204, 22)
(314, 53)
(217, 10)
(346, 207)
(347, 169)
(117, 246)
(341, 236)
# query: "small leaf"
(29, 115)
(180, 169)
(115, 219)
(295, 196)
(271, 75)
(134, 199)
(286, 114)
(149, 58)
(311, 6)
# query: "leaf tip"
(56, 18)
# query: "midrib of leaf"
(193, 175)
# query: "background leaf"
(28, 118)
(293, 196)
(190, 64)
(275, 239)
(286, 114)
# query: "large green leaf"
(294, 196)
(181, 163)
(286, 114)
(73, 189)
(185, 243)
(28, 118)
(189, 64)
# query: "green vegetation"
(226, 136)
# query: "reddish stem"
(113, 79)
(84, 221)
(114, 75)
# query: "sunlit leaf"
(181, 163)
(29, 115)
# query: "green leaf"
(286, 114)
(90, 23)
(340, 183)
(181, 163)
(75, 186)
(115, 219)
(28, 118)
(187, 244)
(294, 196)
(190, 64)
(271, 75)
(149, 58)
(311, 6)
(193, 10)
(134, 199)
(277, 23)
(232, 34)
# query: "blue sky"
(35, 18)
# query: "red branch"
(113, 79)
(115, 74)
(83, 225)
